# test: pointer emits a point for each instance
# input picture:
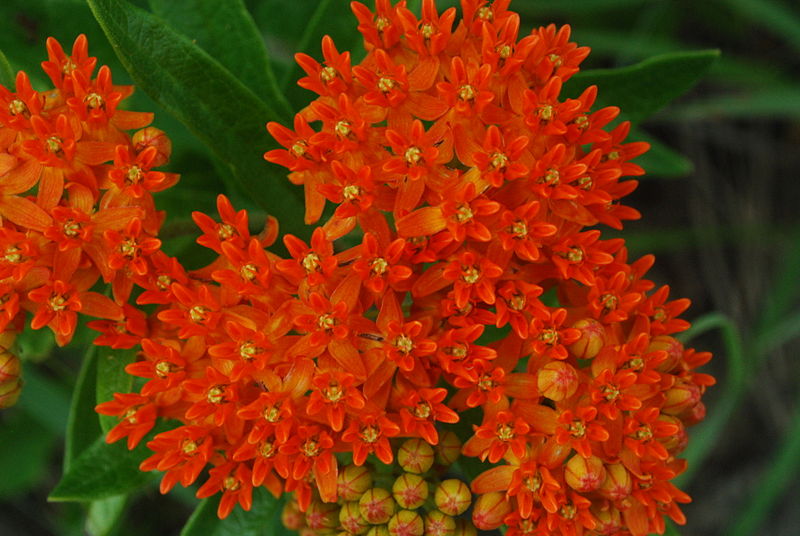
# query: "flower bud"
(694, 415)
(291, 516)
(439, 524)
(378, 530)
(153, 137)
(448, 449)
(376, 506)
(351, 519)
(7, 339)
(673, 442)
(672, 347)
(609, 520)
(464, 527)
(406, 523)
(680, 397)
(322, 516)
(617, 484)
(452, 497)
(9, 366)
(557, 380)
(592, 340)
(584, 474)
(353, 481)
(490, 510)
(9, 392)
(410, 491)
(415, 456)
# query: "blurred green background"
(721, 219)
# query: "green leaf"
(25, 447)
(262, 519)
(105, 514)
(202, 94)
(776, 102)
(6, 72)
(642, 89)
(210, 25)
(103, 471)
(660, 160)
(112, 378)
(774, 16)
(83, 427)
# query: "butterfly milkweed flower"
(462, 274)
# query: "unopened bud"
(609, 520)
(452, 497)
(557, 380)
(9, 367)
(9, 392)
(376, 506)
(592, 339)
(153, 137)
(584, 474)
(291, 516)
(448, 449)
(617, 484)
(673, 348)
(415, 456)
(351, 519)
(439, 524)
(490, 510)
(322, 516)
(680, 397)
(353, 481)
(694, 415)
(673, 442)
(378, 530)
(410, 491)
(406, 523)
(464, 527)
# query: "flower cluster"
(456, 273)
(75, 198)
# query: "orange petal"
(95, 152)
(422, 222)
(115, 218)
(97, 305)
(22, 178)
(126, 120)
(495, 479)
(24, 212)
(347, 356)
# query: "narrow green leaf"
(112, 378)
(103, 471)
(203, 95)
(6, 72)
(211, 26)
(25, 446)
(262, 519)
(105, 514)
(539, 7)
(642, 89)
(83, 427)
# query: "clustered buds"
(75, 202)
(409, 498)
(455, 274)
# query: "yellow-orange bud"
(291, 516)
(353, 481)
(609, 520)
(439, 524)
(617, 484)
(153, 137)
(681, 397)
(673, 348)
(351, 519)
(410, 491)
(592, 340)
(557, 380)
(322, 516)
(376, 506)
(415, 456)
(379, 530)
(452, 497)
(464, 527)
(406, 523)
(490, 510)
(584, 474)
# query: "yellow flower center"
(505, 432)
(53, 144)
(386, 84)
(327, 73)
(128, 247)
(94, 100)
(17, 107)
(519, 229)
(555, 59)
(189, 447)
(466, 92)
(248, 271)
(57, 303)
(225, 231)
(379, 266)
(134, 175)
(342, 128)
(198, 313)
(163, 282)
(311, 262)
(247, 350)
(546, 112)
(470, 275)
(505, 51)
(163, 368)
(72, 228)
(498, 160)
(369, 434)
(310, 448)
(422, 410)
(12, 255)
(575, 254)
(351, 192)
(216, 395)
(463, 213)
(404, 344)
(381, 23)
(585, 182)
(231, 484)
(577, 429)
(582, 122)
(427, 30)
(413, 155)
